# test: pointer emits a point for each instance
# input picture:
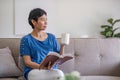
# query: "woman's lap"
(37, 74)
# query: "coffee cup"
(65, 38)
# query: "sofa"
(94, 58)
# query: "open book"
(55, 58)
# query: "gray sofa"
(95, 59)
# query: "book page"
(54, 53)
(64, 58)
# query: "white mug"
(65, 38)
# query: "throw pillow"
(8, 67)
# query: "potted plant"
(74, 75)
(109, 30)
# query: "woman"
(35, 46)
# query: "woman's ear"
(33, 22)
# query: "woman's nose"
(46, 22)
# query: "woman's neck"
(40, 35)
(37, 33)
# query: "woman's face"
(41, 24)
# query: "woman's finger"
(49, 65)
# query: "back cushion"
(13, 44)
(97, 56)
(87, 59)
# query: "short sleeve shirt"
(37, 49)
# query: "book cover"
(55, 58)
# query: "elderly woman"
(36, 45)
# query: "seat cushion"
(21, 78)
(100, 78)
(8, 79)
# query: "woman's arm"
(29, 63)
(62, 49)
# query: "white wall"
(78, 17)
(6, 18)
(84, 17)
(22, 9)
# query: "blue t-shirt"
(37, 49)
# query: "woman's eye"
(43, 19)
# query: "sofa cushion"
(8, 67)
(64, 67)
(21, 78)
(98, 56)
(8, 79)
(100, 78)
